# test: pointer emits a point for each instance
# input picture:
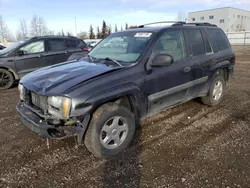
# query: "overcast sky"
(60, 14)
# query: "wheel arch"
(15, 75)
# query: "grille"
(39, 101)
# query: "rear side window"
(57, 45)
(73, 43)
(196, 40)
(219, 38)
(207, 45)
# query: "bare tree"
(82, 35)
(181, 16)
(3, 30)
(38, 26)
(22, 32)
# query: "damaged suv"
(128, 76)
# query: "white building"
(228, 18)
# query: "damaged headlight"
(59, 106)
(21, 91)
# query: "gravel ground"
(191, 145)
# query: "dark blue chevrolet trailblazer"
(128, 76)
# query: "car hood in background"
(56, 79)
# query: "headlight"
(60, 106)
(21, 91)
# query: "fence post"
(245, 38)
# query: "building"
(228, 18)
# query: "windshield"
(125, 47)
(11, 47)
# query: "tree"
(38, 26)
(99, 34)
(126, 26)
(69, 34)
(22, 32)
(109, 30)
(104, 29)
(116, 28)
(121, 28)
(3, 30)
(62, 33)
(91, 32)
(181, 16)
(82, 35)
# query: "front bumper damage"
(38, 123)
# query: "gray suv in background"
(26, 56)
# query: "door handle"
(40, 55)
(187, 69)
(66, 52)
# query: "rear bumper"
(39, 126)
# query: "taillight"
(86, 49)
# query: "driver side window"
(34, 47)
(171, 43)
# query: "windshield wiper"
(113, 60)
(90, 57)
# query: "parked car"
(2, 47)
(26, 56)
(101, 97)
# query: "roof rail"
(195, 24)
(176, 23)
(173, 22)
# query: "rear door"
(202, 56)
(32, 59)
(76, 46)
(57, 51)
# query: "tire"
(211, 99)
(6, 79)
(95, 135)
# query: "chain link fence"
(239, 38)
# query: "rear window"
(218, 38)
(56, 45)
(196, 40)
(73, 43)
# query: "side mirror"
(20, 52)
(161, 60)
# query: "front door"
(170, 85)
(31, 59)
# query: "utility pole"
(75, 26)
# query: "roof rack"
(197, 24)
(173, 22)
(177, 23)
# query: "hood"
(57, 79)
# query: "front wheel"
(6, 79)
(216, 92)
(111, 130)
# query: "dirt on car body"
(191, 145)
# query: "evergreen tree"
(110, 30)
(104, 29)
(99, 34)
(91, 32)
(126, 26)
(116, 28)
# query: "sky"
(61, 14)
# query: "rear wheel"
(111, 130)
(6, 79)
(216, 92)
